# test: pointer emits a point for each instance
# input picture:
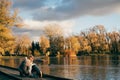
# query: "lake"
(77, 68)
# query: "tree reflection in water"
(115, 60)
(78, 68)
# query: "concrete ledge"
(11, 76)
(44, 75)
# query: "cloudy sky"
(72, 15)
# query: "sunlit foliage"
(55, 35)
(44, 44)
(8, 18)
(72, 43)
(22, 45)
(6, 40)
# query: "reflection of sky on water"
(80, 68)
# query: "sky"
(72, 15)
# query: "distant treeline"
(93, 41)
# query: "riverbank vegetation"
(95, 40)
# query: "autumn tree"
(59, 44)
(94, 40)
(22, 45)
(114, 41)
(102, 38)
(6, 40)
(97, 39)
(8, 18)
(72, 43)
(84, 44)
(55, 35)
(44, 44)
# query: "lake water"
(77, 68)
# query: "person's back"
(23, 68)
(36, 71)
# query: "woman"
(23, 68)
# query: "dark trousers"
(36, 71)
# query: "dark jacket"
(23, 69)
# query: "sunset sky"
(72, 15)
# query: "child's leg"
(30, 69)
(41, 75)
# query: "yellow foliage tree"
(44, 43)
(8, 18)
(73, 44)
(55, 35)
(22, 45)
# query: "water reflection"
(115, 60)
(70, 60)
(78, 68)
(10, 61)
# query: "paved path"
(4, 77)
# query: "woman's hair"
(30, 56)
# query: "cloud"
(62, 12)
(28, 4)
(39, 25)
(67, 9)
(35, 28)
(76, 8)
(33, 34)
